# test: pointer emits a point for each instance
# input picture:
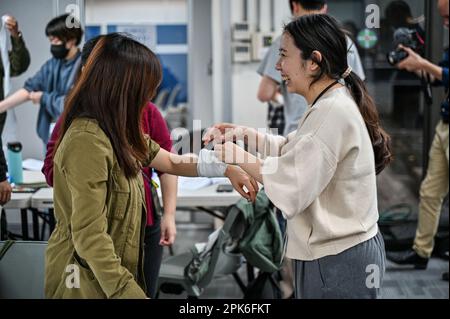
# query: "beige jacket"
(322, 177)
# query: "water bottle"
(14, 157)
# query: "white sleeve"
(354, 60)
(273, 145)
(294, 180)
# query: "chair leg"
(3, 226)
(240, 282)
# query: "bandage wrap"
(209, 165)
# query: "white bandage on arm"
(209, 165)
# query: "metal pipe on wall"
(258, 15)
(245, 10)
(272, 15)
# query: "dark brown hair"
(319, 32)
(119, 78)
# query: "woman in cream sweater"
(322, 176)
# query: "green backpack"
(262, 242)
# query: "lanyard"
(324, 91)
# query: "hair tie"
(347, 72)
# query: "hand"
(217, 132)
(240, 179)
(35, 97)
(226, 132)
(412, 63)
(13, 26)
(5, 192)
(168, 230)
(230, 153)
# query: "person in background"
(160, 231)
(322, 176)
(19, 59)
(49, 86)
(435, 186)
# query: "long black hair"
(319, 32)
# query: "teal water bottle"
(14, 156)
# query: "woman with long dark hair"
(322, 176)
(96, 249)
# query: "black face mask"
(59, 51)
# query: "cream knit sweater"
(322, 177)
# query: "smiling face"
(296, 72)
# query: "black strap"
(7, 245)
(324, 91)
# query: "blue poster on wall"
(170, 43)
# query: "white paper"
(32, 164)
(193, 183)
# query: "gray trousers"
(356, 273)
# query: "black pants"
(153, 253)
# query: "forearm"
(169, 193)
(434, 70)
(19, 57)
(14, 100)
(255, 140)
(169, 163)
(252, 166)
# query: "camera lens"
(396, 57)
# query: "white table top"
(207, 197)
(19, 201)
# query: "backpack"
(262, 243)
(263, 287)
(398, 225)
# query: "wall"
(200, 63)
(32, 27)
(140, 11)
(246, 109)
(168, 18)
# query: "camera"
(409, 38)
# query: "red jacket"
(153, 124)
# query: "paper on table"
(33, 178)
(32, 164)
(193, 183)
(220, 180)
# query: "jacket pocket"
(120, 196)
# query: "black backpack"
(398, 226)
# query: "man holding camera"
(435, 186)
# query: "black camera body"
(408, 38)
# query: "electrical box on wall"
(241, 32)
(261, 43)
(242, 52)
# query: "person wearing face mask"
(49, 86)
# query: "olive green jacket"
(19, 60)
(100, 220)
